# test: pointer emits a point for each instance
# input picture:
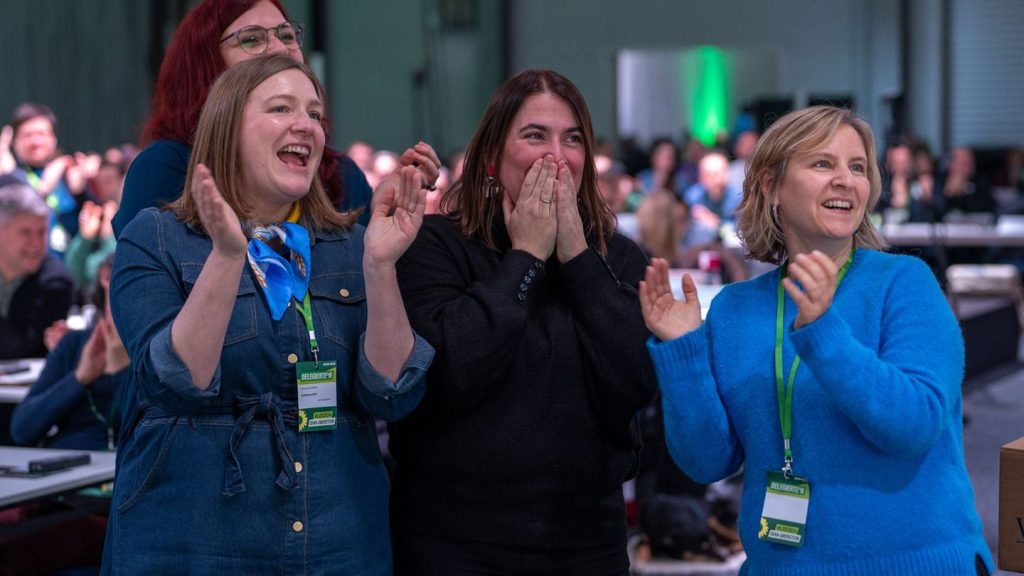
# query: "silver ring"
(431, 187)
(545, 201)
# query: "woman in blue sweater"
(833, 380)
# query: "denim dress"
(220, 481)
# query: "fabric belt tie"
(267, 404)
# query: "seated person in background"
(962, 187)
(665, 230)
(713, 199)
(29, 143)
(35, 288)
(905, 196)
(742, 149)
(95, 239)
(77, 389)
(664, 171)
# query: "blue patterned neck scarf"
(281, 279)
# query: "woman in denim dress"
(216, 476)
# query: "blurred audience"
(741, 151)
(28, 146)
(35, 287)
(664, 171)
(713, 199)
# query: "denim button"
(344, 292)
(297, 526)
(298, 466)
(292, 358)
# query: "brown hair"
(798, 132)
(661, 233)
(467, 202)
(216, 143)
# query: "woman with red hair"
(212, 36)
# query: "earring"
(493, 188)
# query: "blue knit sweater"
(876, 421)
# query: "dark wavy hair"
(191, 64)
(466, 200)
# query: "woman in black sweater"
(514, 461)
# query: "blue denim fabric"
(210, 481)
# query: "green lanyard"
(104, 420)
(785, 393)
(307, 314)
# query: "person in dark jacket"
(35, 288)
(514, 461)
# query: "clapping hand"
(7, 162)
(53, 334)
(218, 218)
(90, 220)
(396, 217)
(423, 157)
(93, 359)
(816, 274)
(666, 317)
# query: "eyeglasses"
(255, 39)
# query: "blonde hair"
(796, 133)
(216, 144)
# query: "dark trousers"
(418, 555)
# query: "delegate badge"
(784, 516)
(318, 390)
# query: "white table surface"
(14, 387)
(14, 491)
(705, 292)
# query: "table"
(705, 292)
(14, 386)
(15, 491)
(61, 485)
(1006, 233)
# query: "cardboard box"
(1011, 506)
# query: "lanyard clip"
(787, 468)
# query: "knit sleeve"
(610, 328)
(471, 319)
(700, 436)
(902, 396)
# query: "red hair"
(191, 64)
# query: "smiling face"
(262, 14)
(281, 142)
(22, 245)
(544, 124)
(35, 142)
(824, 193)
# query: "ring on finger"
(545, 201)
(431, 187)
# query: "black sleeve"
(39, 302)
(611, 330)
(470, 304)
